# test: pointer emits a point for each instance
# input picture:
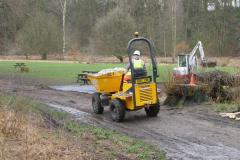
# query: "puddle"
(77, 114)
(89, 89)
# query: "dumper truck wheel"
(96, 103)
(117, 109)
(152, 111)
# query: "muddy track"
(194, 132)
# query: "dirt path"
(195, 132)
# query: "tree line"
(104, 26)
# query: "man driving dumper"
(138, 65)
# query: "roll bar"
(152, 55)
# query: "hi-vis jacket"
(137, 64)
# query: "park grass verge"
(227, 107)
(30, 130)
(65, 73)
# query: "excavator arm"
(193, 54)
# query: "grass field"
(65, 73)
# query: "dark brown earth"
(192, 132)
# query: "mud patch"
(77, 114)
(194, 132)
(89, 89)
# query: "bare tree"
(174, 27)
(64, 10)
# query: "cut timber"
(210, 64)
(231, 115)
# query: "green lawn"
(65, 73)
(55, 72)
(227, 69)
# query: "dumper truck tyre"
(117, 109)
(96, 103)
(152, 111)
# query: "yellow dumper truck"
(138, 93)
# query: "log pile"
(235, 115)
(210, 64)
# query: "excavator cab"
(183, 60)
(183, 66)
